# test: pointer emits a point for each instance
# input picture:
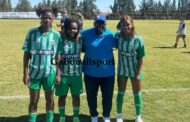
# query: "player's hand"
(26, 79)
(137, 77)
(57, 79)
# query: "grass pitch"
(166, 84)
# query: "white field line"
(115, 92)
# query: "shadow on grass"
(165, 47)
(41, 118)
(186, 52)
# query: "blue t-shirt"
(98, 59)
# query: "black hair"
(67, 25)
(41, 11)
(118, 26)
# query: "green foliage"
(88, 8)
(5, 5)
(122, 7)
(23, 6)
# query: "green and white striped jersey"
(70, 57)
(43, 49)
(129, 51)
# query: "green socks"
(32, 117)
(120, 101)
(76, 112)
(49, 116)
(62, 112)
(138, 102)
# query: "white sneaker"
(138, 119)
(106, 119)
(94, 119)
(119, 118)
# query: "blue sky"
(103, 5)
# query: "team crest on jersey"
(66, 49)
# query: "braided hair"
(67, 26)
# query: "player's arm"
(139, 68)
(26, 59)
(140, 55)
(58, 72)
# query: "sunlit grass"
(163, 67)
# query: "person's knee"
(62, 98)
(49, 99)
(76, 97)
(34, 100)
(121, 89)
(136, 86)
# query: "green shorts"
(48, 83)
(72, 82)
(131, 78)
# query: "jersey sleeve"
(116, 40)
(140, 49)
(59, 45)
(27, 43)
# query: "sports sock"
(32, 117)
(62, 111)
(138, 102)
(49, 116)
(120, 101)
(76, 111)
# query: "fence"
(20, 15)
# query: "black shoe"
(185, 46)
(174, 46)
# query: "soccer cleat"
(138, 119)
(76, 119)
(62, 119)
(106, 119)
(94, 119)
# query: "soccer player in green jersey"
(69, 69)
(40, 48)
(130, 55)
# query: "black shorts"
(182, 36)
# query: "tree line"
(147, 9)
(152, 9)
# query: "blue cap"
(100, 18)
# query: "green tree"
(143, 8)
(88, 8)
(70, 6)
(23, 6)
(5, 5)
(159, 11)
(183, 8)
(48, 5)
(152, 11)
(166, 8)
